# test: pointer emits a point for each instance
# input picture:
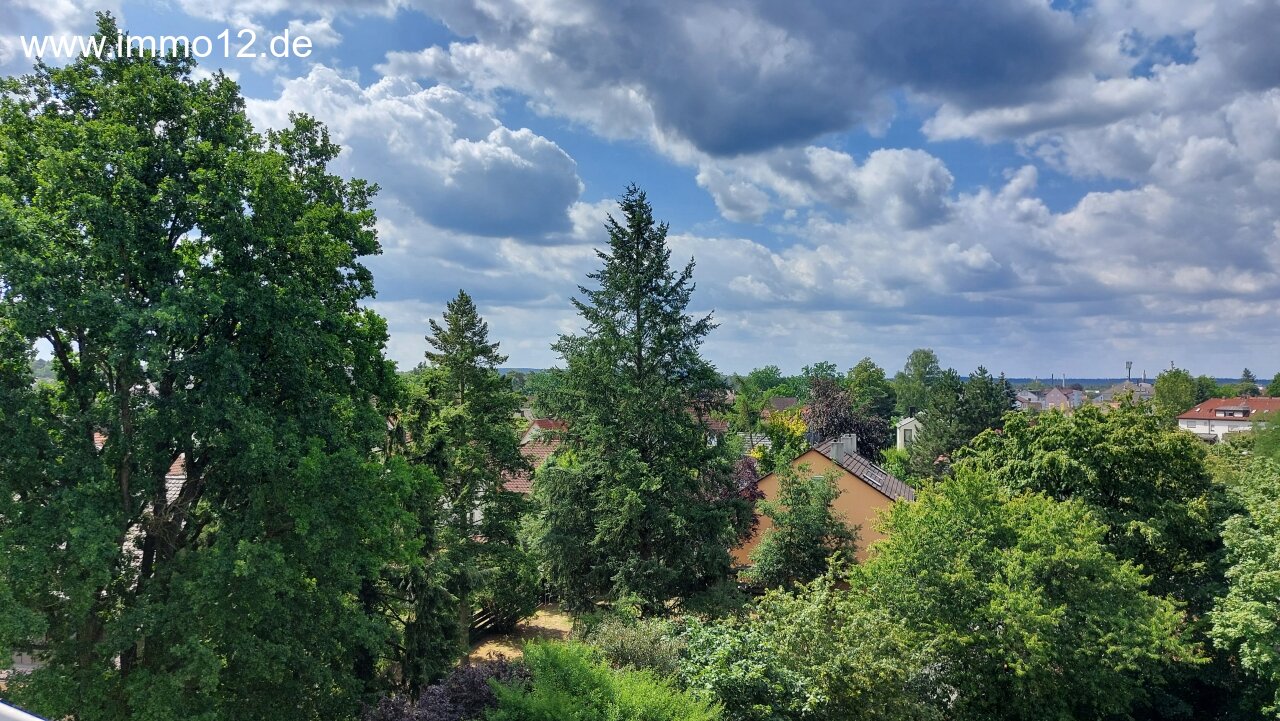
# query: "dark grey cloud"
(740, 78)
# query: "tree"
(913, 383)
(1248, 385)
(1273, 388)
(462, 420)
(1244, 619)
(748, 404)
(831, 413)
(804, 533)
(787, 433)
(766, 378)
(1029, 613)
(1175, 393)
(200, 287)
(647, 510)
(1148, 483)
(1207, 388)
(821, 369)
(870, 389)
(816, 653)
(956, 412)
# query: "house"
(908, 431)
(1141, 391)
(1028, 400)
(1063, 399)
(777, 404)
(540, 440)
(1213, 419)
(866, 490)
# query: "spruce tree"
(462, 420)
(644, 508)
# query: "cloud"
(753, 76)
(438, 152)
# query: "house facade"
(866, 490)
(908, 431)
(1215, 418)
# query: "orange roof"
(1207, 411)
(540, 441)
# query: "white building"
(1215, 418)
(908, 431)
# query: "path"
(548, 622)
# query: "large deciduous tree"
(1175, 392)
(1148, 483)
(646, 509)
(870, 389)
(193, 512)
(1029, 612)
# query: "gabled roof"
(1207, 411)
(906, 421)
(871, 474)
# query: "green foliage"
(1175, 393)
(1248, 385)
(1149, 484)
(649, 509)
(786, 433)
(870, 389)
(1266, 436)
(913, 383)
(1207, 387)
(956, 411)
(571, 684)
(200, 287)
(766, 379)
(805, 532)
(638, 644)
(1273, 388)
(1245, 618)
(1029, 612)
(461, 419)
(820, 653)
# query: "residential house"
(1063, 399)
(1028, 400)
(908, 431)
(866, 490)
(1140, 391)
(1213, 419)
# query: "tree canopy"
(191, 511)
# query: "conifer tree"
(645, 511)
(463, 425)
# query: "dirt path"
(549, 622)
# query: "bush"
(464, 695)
(652, 644)
(570, 683)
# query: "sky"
(1036, 187)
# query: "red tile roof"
(540, 441)
(1206, 411)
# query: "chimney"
(850, 443)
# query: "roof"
(869, 473)
(1207, 410)
(907, 421)
(539, 442)
(781, 403)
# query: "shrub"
(652, 644)
(464, 695)
(570, 683)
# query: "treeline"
(227, 504)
